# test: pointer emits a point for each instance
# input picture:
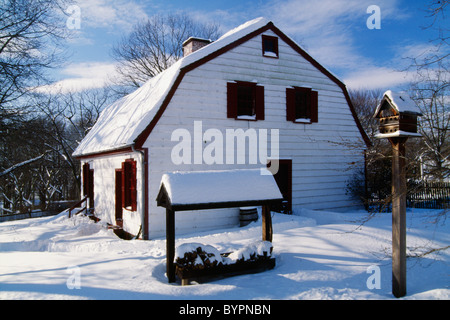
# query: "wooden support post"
(398, 217)
(170, 244)
(266, 224)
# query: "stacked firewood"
(252, 252)
(198, 259)
(196, 256)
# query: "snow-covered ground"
(319, 255)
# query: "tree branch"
(21, 164)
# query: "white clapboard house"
(250, 97)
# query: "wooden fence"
(429, 195)
(426, 195)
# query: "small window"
(245, 101)
(301, 105)
(270, 46)
(129, 185)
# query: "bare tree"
(36, 153)
(155, 44)
(373, 182)
(365, 102)
(30, 34)
(431, 91)
(70, 116)
(436, 10)
(23, 150)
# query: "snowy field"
(319, 255)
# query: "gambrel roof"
(128, 122)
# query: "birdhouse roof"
(399, 101)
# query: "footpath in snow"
(319, 255)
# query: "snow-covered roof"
(127, 121)
(400, 101)
(199, 187)
(398, 133)
(119, 125)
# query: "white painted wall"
(321, 156)
(104, 190)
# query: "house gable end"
(142, 137)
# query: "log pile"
(198, 261)
(199, 257)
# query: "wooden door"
(284, 181)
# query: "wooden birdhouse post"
(398, 114)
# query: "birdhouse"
(397, 114)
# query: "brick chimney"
(193, 44)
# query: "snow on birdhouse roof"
(400, 101)
(120, 124)
(220, 186)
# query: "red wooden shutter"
(91, 188)
(259, 103)
(290, 104)
(118, 194)
(232, 100)
(133, 190)
(88, 183)
(314, 106)
(85, 179)
(129, 192)
(124, 184)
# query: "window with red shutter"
(245, 101)
(129, 192)
(301, 105)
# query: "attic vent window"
(269, 46)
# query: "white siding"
(320, 152)
(104, 190)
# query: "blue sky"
(334, 32)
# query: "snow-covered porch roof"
(217, 189)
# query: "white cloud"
(82, 76)
(326, 27)
(419, 51)
(327, 30)
(112, 14)
(377, 78)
